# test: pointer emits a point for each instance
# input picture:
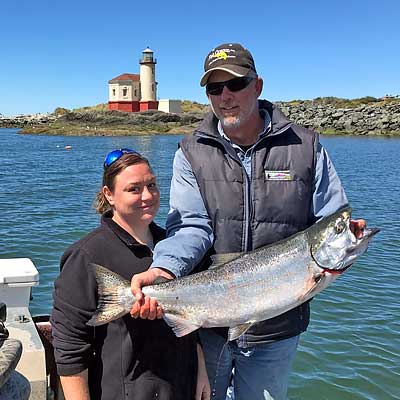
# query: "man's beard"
(235, 121)
(231, 122)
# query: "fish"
(240, 290)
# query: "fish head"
(334, 247)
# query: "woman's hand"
(203, 390)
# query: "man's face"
(233, 109)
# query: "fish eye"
(340, 226)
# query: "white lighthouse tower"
(148, 84)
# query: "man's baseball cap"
(229, 57)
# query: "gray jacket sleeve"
(329, 195)
(189, 231)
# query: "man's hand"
(357, 226)
(146, 307)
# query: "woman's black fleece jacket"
(127, 358)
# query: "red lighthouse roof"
(125, 77)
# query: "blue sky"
(62, 54)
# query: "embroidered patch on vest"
(278, 175)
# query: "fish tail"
(110, 304)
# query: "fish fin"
(237, 331)
(220, 259)
(179, 325)
(316, 278)
(109, 305)
(101, 317)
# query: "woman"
(127, 358)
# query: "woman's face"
(136, 198)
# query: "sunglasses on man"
(234, 85)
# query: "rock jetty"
(382, 119)
(327, 115)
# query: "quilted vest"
(272, 205)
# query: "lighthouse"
(135, 92)
(148, 84)
(138, 92)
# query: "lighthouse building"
(124, 93)
(138, 92)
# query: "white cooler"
(17, 276)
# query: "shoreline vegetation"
(327, 115)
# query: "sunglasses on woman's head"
(234, 85)
(115, 155)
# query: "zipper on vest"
(248, 199)
(230, 151)
(247, 210)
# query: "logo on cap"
(218, 54)
(221, 54)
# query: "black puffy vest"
(275, 205)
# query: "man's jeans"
(261, 372)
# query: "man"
(247, 177)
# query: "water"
(351, 349)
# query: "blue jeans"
(259, 372)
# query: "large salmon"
(242, 289)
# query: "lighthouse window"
(135, 92)
(124, 92)
(113, 92)
(152, 88)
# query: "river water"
(351, 349)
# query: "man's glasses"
(234, 85)
(114, 155)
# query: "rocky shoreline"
(373, 119)
(104, 123)
(377, 118)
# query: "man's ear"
(108, 195)
(259, 86)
